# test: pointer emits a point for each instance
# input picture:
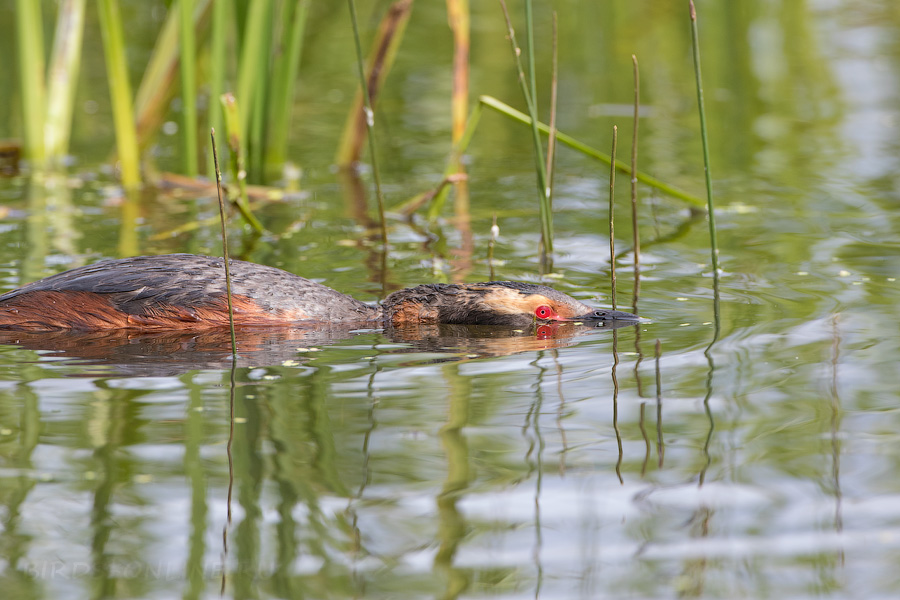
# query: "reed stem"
(554, 89)
(282, 99)
(120, 91)
(62, 78)
(188, 86)
(30, 45)
(370, 123)
(612, 211)
(253, 54)
(217, 51)
(382, 54)
(158, 83)
(231, 111)
(587, 150)
(636, 236)
(458, 15)
(695, 45)
(543, 195)
(212, 135)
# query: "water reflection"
(170, 353)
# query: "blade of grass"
(212, 135)
(543, 195)
(30, 45)
(281, 100)
(231, 112)
(120, 91)
(381, 59)
(369, 113)
(188, 86)
(62, 78)
(587, 150)
(612, 211)
(710, 209)
(455, 157)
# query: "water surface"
(760, 461)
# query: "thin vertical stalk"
(284, 84)
(529, 35)
(218, 60)
(382, 53)
(370, 122)
(612, 205)
(636, 237)
(212, 135)
(188, 86)
(543, 195)
(695, 45)
(62, 77)
(30, 38)
(554, 88)
(120, 91)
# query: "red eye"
(543, 312)
(545, 332)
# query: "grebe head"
(491, 303)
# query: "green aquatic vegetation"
(120, 92)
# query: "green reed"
(235, 141)
(217, 67)
(695, 46)
(62, 78)
(636, 237)
(120, 91)
(587, 150)
(222, 220)
(612, 217)
(30, 41)
(370, 122)
(285, 67)
(188, 85)
(529, 92)
(439, 196)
